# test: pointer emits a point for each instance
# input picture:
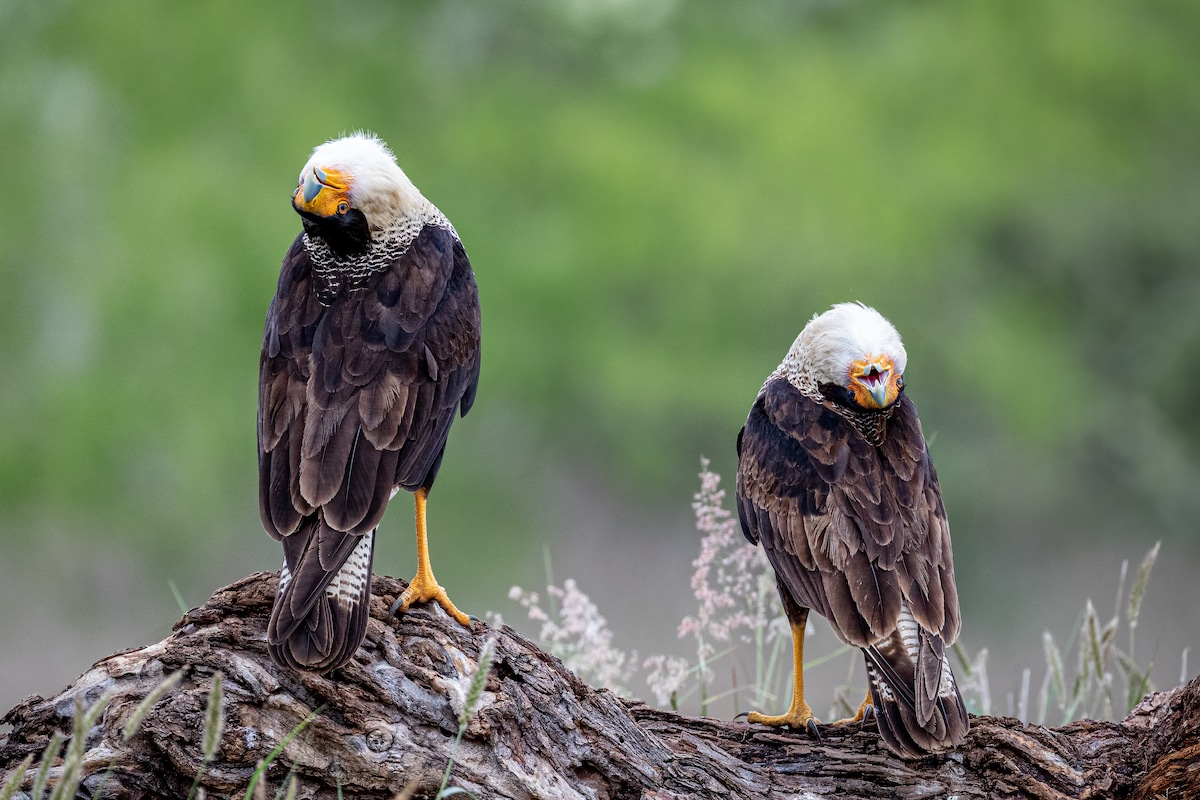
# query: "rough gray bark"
(388, 720)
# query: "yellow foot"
(865, 711)
(424, 590)
(799, 718)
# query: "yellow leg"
(799, 714)
(424, 587)
(864, 708)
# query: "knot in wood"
(380, 738)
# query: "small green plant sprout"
(487, 654)
(1096, 689)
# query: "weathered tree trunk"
(388, 721)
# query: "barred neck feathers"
(832, 341)
(386, 244)
(395, 211)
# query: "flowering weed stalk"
(736, 604)
(734, 587)
(576, 632)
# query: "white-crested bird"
(371, 348)
(836, 483)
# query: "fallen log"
(387, 722)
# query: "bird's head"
(851, 352)
(352, 188)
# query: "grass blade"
(1091, 639)
(183, 606)
(1054, 661)
(214, 726)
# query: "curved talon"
(865, 711)
(811, 727)
(745, 714)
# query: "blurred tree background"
(656, 196)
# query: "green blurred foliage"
(656, 196)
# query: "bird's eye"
(342, 208)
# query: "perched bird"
(371, 347)
(834, 479)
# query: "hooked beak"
(321, 192)
(879, 392)
(874, 382)
(311, 187)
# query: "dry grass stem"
(1139, 586)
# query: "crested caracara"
(835, 481)
(371, 348)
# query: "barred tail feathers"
(917, 703)
(321, 608)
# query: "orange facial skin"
(875, 382)
(324, 192)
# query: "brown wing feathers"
(858, 533)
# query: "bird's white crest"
(378, 187)
(824, 350)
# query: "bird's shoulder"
(792, 439)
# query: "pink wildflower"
(579, 635)
(731, 574)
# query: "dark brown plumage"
(371, 347)
(844, 500)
